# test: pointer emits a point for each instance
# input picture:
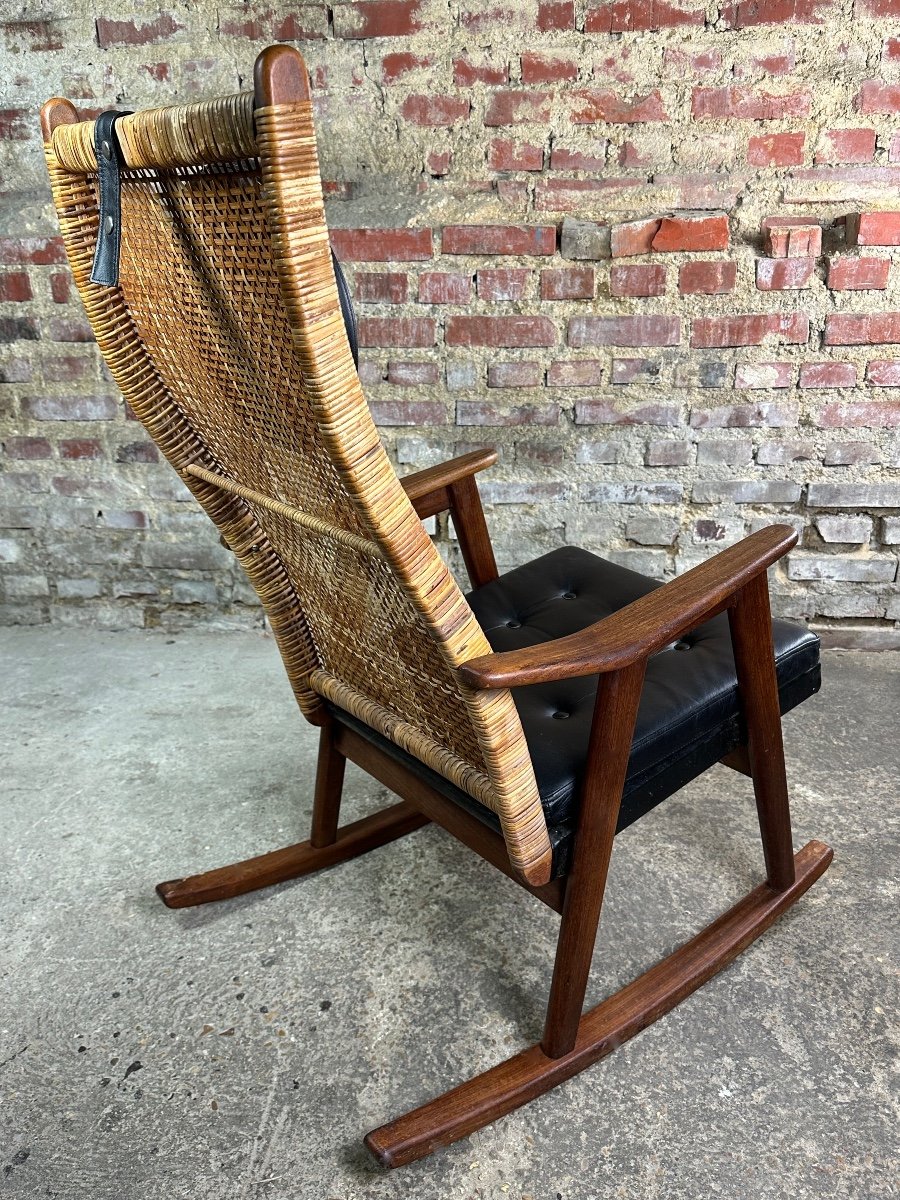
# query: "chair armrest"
(640, 629)
(422, 485)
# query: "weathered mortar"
(618, 435)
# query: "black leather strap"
(346, 309)
(105, 269)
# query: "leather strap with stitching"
(105, 268)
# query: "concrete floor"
(242, 1050)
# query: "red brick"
(408, 412)
(499, 239)
(703, 190)
(483, 16)
(858, 274)
(500, 331)
(776, 150)
(784, 274)
(396, 331)
(506, 155)
(137, 452)
(679, 61)
(829, 185)
(395, 66)
(34, 35)
(745, 104)
(80, 448)
(873, 229)
(443, 287)
(633, 237)
(846, 146)
(60, 287)
(747, 13)
(864, 414)
(466, 72)
(377, 18)
(15, 286)
(750, 330)
(434, 112)
(634, 16)
(601, 412)
(18, 329)
(634, 279)
(513, 192)
(498, 284)
(771, 64)
(883, 372)
(413, 374)
(706, 278)
(438, 162)
(590, 105)
(890, 49)
(39, 251)
(894, 151)
(381, 287)
(15, 125)
(692, 231)
(763, 414)
(567, 283)
(876, 96)
(763, 375)
(381, 245)
(564, 159)
(61, 329)
(27, 447)
(517, 108)
(547, 68)
(791, 237)
(136, 33)
(584, 372)
(827, 375)
(555, 15)
(862, 329)
(515, 375)
(624, 331)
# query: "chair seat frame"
(615, 649)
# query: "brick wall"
(647, 249)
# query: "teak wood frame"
(616, 650)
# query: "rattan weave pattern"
(226, 336)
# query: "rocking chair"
(533, 718)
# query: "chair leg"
(327, 846)
(615, 711)
(754, 654)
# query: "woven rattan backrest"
(226, 337)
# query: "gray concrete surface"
(242, 1050)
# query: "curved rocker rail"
(515, 1082)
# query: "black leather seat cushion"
(689, 714)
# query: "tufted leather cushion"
(689, 715)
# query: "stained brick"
(381, 245)
(784, 274)
(776, 150)
(635, 370)
(499, 284)
(547, 68)
(499, 239)
(70, 408)
(381, 287)
(27, 447)
(567, 283)
(413, 374)
(466, 72)
(443, 287)
(564, 158)
(746, 416)
(555, 15)
(747, 13)
(396, 331)
(395, 66)
(517, 108)
(408, 412)
(633, 279)
(137, 33)
(846, 146)
(601, 412)
(858, 274)
(633, 237)
(884, 372)
(585, 372)
(589, 106)
(377, 18)
(515, 375)
(791, 237)
(627, 16)
(500, 331)
(434, 111)
(506, 155)
(15, 286)
(478, 412)
(861, 414)
(876, 96)
(862, 329)
(631, 493)
(744, 103)
(18, 329)
(827, 375)
(749, 330)
(624, 331)
(746, 491)
(39, 251)
(706, 278)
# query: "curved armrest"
(641, 628)
(434, 479)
